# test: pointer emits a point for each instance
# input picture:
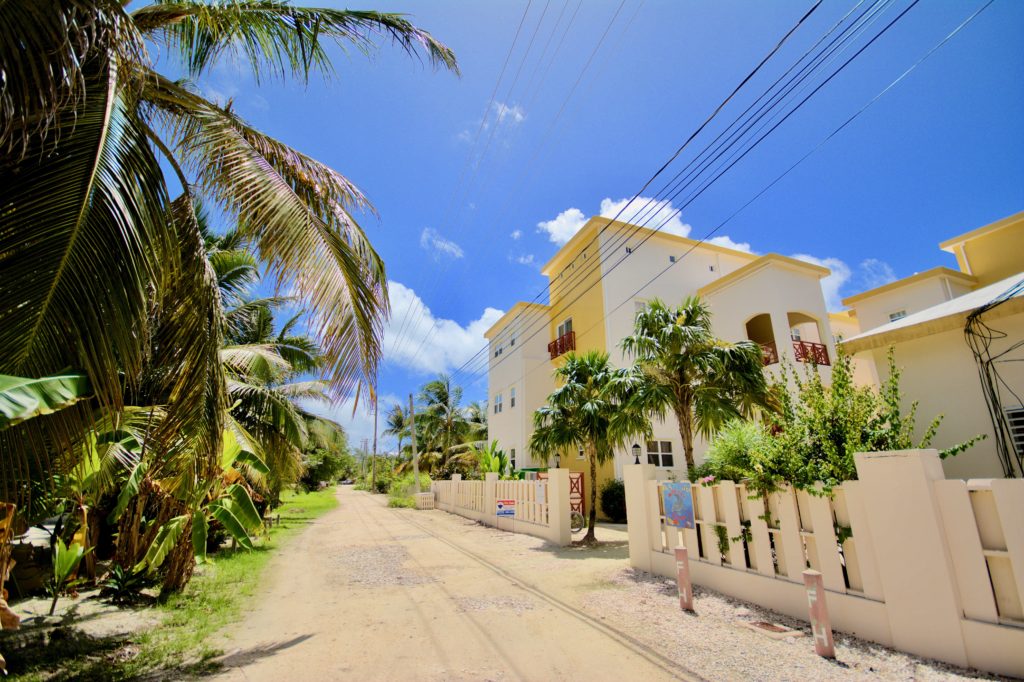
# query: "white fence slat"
(789, 530)
(762, 541)
(865, 554)
(709, 534)
(969, 564)
(653, 516)
(1009, 495)
(728, 505)
(825, 543)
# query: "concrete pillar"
(558, 507)
(781, 331)
(914, 563)
(635, 478)
(490, 499)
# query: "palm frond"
(275, 37)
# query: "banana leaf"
(222, 511)
(166, 538)
(200, 529)
(22, 398)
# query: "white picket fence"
(908, 559)
(541, 507)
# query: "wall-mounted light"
(636, 453)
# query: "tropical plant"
(396, 425)
(491, 459)
(123, 586)
(591, 410)
(735, 451)
(89, 231)
(613, 500)
(442, 427)
(700, 379)
(65, 562)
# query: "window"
(512, 340)
(512, 397)
(794, 333)
(565, 327)
(629, 250)
(1015, 418)
(497, 403)
(659, 453)
(898, 315)
(512, 458)
(497, 351)
(581, 455)
(711, 268)
(671, 259)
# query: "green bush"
(613, 500)
(401, 489)
(324, 465)
(733, 452)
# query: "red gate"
(577, 502)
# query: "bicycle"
(576, 521)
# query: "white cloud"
(831, 285)
(464, 136)
(432, 241)
(561, 228)
(448, 344)
(514, 114)
(516, 234)
(875, 273)
(730, 244)
(358, 425)
(526, 259)
(646, 211)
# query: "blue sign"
(677, 498)
(506, 507)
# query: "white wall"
(874, 311)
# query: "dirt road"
(371, 593)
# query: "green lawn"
(185, 642)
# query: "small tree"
(592, 411)
(702, 380)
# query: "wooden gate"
(577, 501)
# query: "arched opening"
(759, 330)
(806, 334)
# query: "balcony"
(770, 353)
(562, 345)
(808, 351)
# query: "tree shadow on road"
(243, 657)
(617, 549)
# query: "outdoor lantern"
(636, 453)
(556, 460)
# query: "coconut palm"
(591, 410)
(88, 231)
(702, 380)
(441, 423)
(396, 425)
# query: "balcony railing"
(563, 344)
(808, 351)
(770, 353)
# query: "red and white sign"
(506, 507)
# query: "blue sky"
(464, 229)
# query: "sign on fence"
(541, 491)
(677, 498)
(506, 508)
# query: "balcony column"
(783, 341)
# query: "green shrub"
(613, 500)
(401, 489)
(734, 450)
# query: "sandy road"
(371, 593)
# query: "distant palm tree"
(396, 424)
(591, 410)
(89, 231)
(443, 422)
(702, 380)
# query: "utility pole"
(364, 459)
(373, 462)
(415, 457)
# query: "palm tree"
(396, 424)
(702, 380)
(89, 232)
(442, 422)
(591, 410)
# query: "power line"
(703, 125)
(676, 212)
(785, 173)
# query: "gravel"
(504, 604)
(714, 643)
(379, 565)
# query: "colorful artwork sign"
(677, 498)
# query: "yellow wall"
(990, 253)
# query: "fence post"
(490, 509)
(635, 478)
(914, 562)
(454, 499)
(558, 507)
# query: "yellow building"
(972, 373)
(599, 279)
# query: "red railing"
(770, 353)
(563, 344)
(808, 351)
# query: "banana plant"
(491, 460)
(65, 561)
